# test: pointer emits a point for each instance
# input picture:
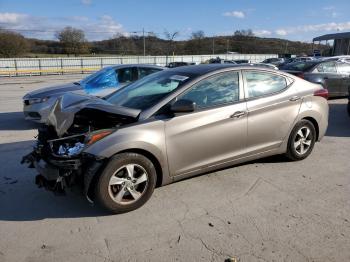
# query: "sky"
(102, 19)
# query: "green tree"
(12, 44)
(73, 40)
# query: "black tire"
(293, 153)
(348, 107)
(103, 189)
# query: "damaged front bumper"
(57, 174)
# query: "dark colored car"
(219, 60)
(333, 74)
(178, 64)
(274, 60)
(241, 61)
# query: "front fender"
(147, 137)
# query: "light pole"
(144, 38)
(213, 45)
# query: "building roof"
(345, 35)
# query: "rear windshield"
(299, 66)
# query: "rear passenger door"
(272, 109)
(344, 72)
(333, 80)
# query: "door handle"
(294, 98)
(238, 114)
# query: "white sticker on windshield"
(179, 78)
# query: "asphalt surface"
(267, 210)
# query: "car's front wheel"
(301, 140)
(126, 183)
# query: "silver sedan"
(37, 104)
(173, 125)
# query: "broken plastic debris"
(76, 149)
(70, 151)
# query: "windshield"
(150, 90)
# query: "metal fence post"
(101, 62)
(16, 68)
(39, 60)
(81, 65)
(61, 60)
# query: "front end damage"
(59, 153)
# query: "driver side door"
(215, 132)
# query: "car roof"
(208, 68)
(135, 65)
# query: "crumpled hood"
(68, 105)
(53, 90)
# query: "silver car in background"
(37, 104)
(173, 125)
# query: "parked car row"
(170, 125)
(332, 73)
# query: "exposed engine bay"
(75, 122)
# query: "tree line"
(72, 41)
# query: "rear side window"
(126, 75)
(261, 84)
(344, 68)
(327, 67)
(214, 91)
(144, 71)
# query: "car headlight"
(32, 101)
(73, 146)
(96, 136)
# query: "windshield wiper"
(77, 83)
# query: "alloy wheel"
(303, 140)
(128, 184)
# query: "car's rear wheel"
(126, 183)
(301, 140)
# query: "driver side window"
(216, 90)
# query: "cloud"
(319, 27)
(303, 29)
(11, 18)
(236, 14)
(262, 33)
(86, 2)
(103, 27)
(281, 32)
(328, 8)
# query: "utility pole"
(144, 38)
(144, 42)
(213, 45)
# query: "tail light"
(322, 93)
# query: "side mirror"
(183, 106)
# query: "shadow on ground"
(15, 121)
(22, 200)
(339, 121)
